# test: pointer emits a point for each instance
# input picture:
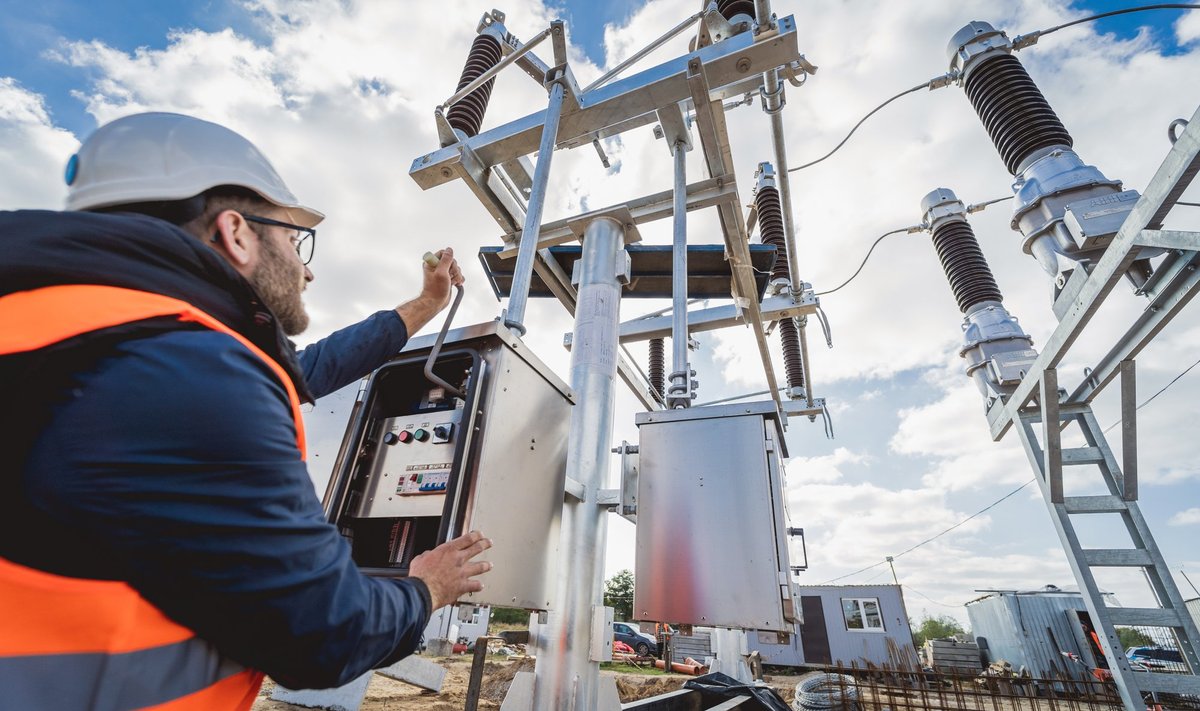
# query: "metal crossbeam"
(659, 206)
(1178, 283)
(772, 308)
(714, 138)
(634, 99)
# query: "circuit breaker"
(712, 529)
(421, 464)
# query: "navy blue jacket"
(165, 455)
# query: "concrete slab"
(343, 698)
(607, 697)
(439, 647)
(520, 693)
(416, 671)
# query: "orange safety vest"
(73, 643)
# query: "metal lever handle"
(433, 261)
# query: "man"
(160, 540)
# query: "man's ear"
(234, 239)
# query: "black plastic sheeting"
(716, 686)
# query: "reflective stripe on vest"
(70, 643)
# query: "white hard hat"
(155, 157)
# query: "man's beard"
(279, 280)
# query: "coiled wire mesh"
(823, 690)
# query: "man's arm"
(353, 352)
(189, 482)
(435, 294)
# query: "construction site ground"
(386, 694)
(961, 693)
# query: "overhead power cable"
(981, 511)
(1160, 392)
(909, 588)
(1025, 40)
(1019, 42)
(934, 83)
(933, 538)
(976, 207)
(850, 575)
(874, 244)
(1009, 494)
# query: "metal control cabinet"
(711, 523)
(419, 465)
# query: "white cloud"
(1187, 29)
(32, 150)
(821, 470)
(951, 432)
(1187, 517)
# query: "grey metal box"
(711, 524)
(418, 466)
(1093, 222)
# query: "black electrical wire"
(873, 111)
(983, 510)
(1112, 13)
(1009, 494)
(931, 539)
(848, 575)
(909, 588)
(1036, 34)
(1160, 392)
(976, 207)
(864, 261)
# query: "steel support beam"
(1176, 283)
(659, 206)
(637, 97)
(714, 138)
(527, 249)
(679, 389)
(566, 677)
(772, 308)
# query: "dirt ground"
(387, 695)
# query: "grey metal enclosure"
(843, 624)
(420, 464)
(711, 529)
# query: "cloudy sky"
(341, 94)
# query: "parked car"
(644, 644)
(1158, 659)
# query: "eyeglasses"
(304, 239)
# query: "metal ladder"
(1048, 458)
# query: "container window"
(862, 614)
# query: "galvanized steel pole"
(679, 392)
(773, 106)
(527, 251)
(566, 677)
